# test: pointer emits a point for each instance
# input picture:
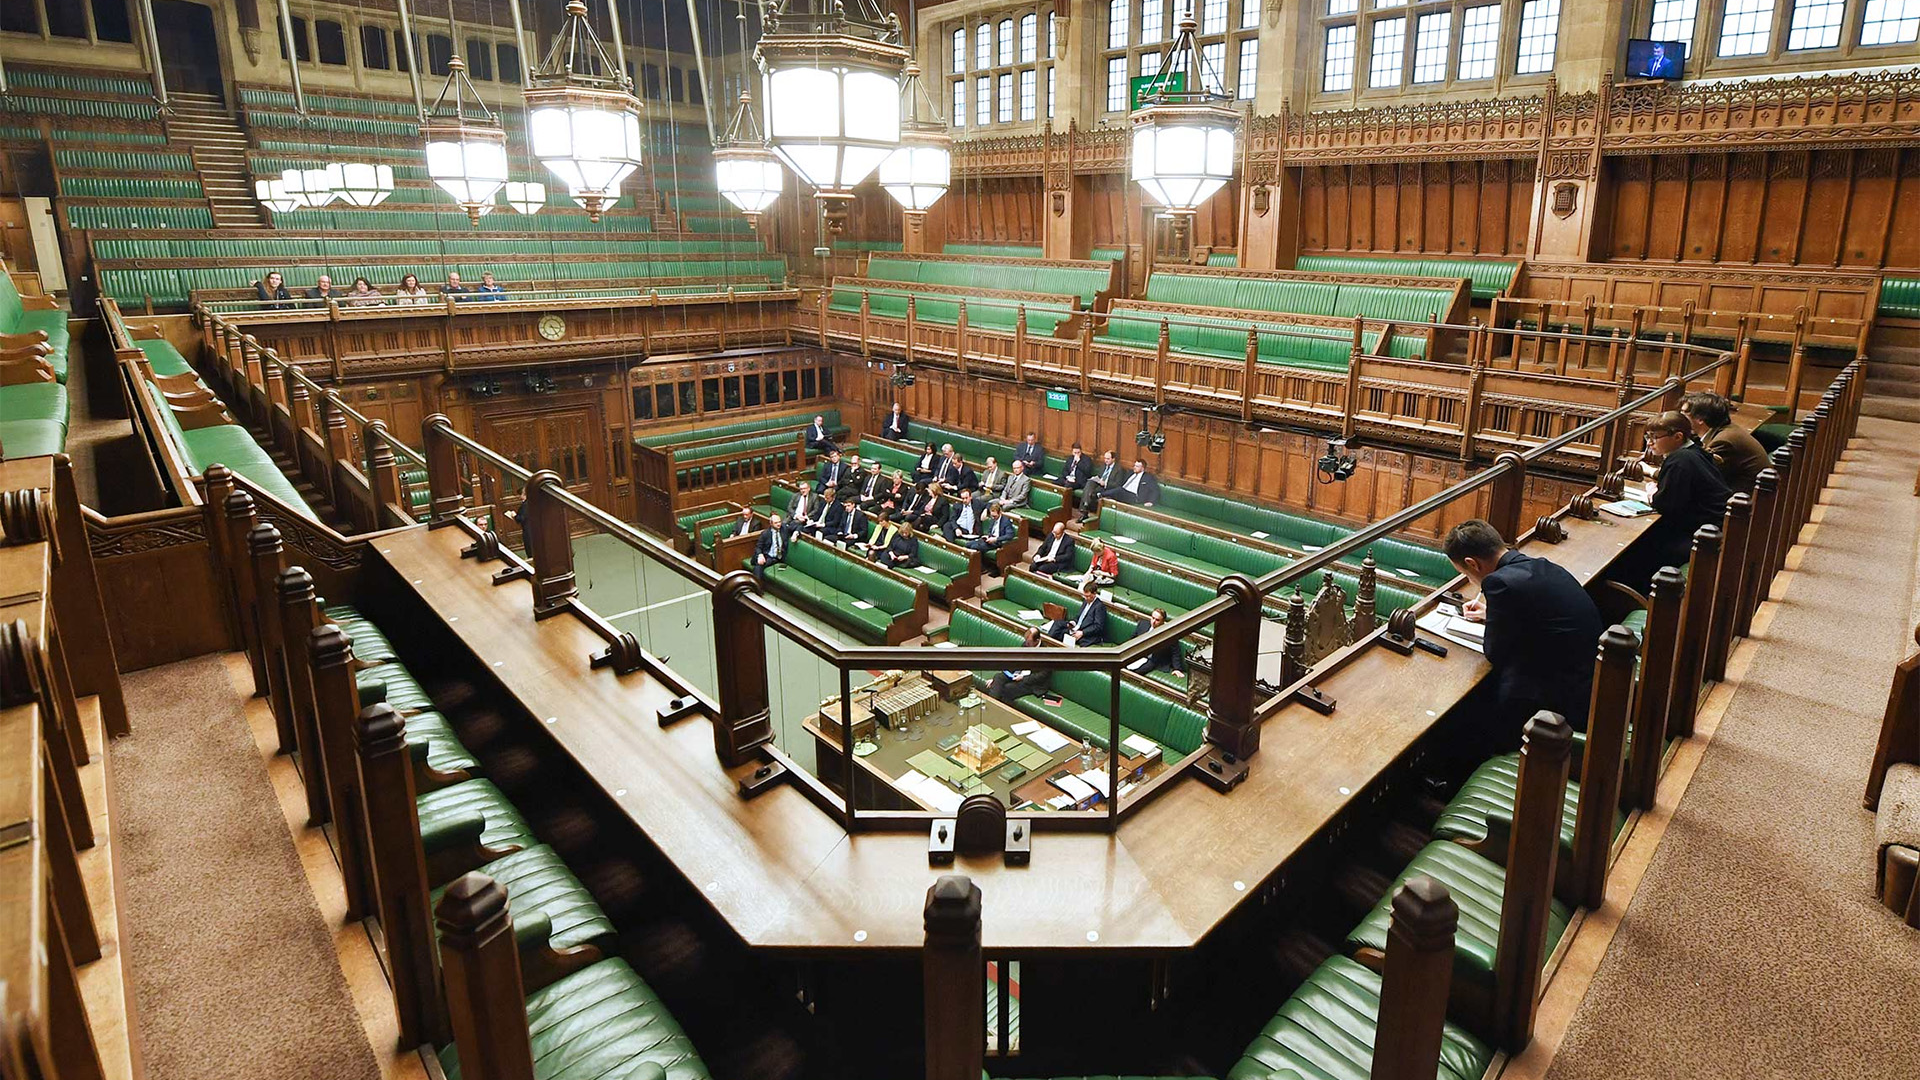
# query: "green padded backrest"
(889, 457)
(1030, 594)
(11, 307)
(780, 496)
(875, 586)
(1168, 588)
(968, 627)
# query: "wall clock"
(552, 327)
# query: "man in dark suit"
(1167, 657)
(969, 514)
(947, 466)
(1029, 453)
(1687, 493)
(826, 509)
(1055, 552)
(849, 527)
(771, 548)
(1015, 683)
(1659, 64)
(1085, 629)
(904, 552)
(874, 487)
(1138, 489)
(743, 525)
(817, 437)
(1099, 486)
(961, 475)
(997, 530)
(1738, 454)
(896, 426)
(1542, 631)
(833, 472)
(1075, 471)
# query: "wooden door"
(567, 440)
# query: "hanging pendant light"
(527, 198)
(583, 121)
(466, 148)
(307, 187)
(745, 171)
(1183, 136)
(363, 184)
(272, 194)
(831, 81)
(920, 171)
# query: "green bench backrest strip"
(854, 578)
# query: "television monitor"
(1656, 59)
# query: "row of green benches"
(1083, 281)
(379, 219)
(14, 133)
(1899, 298)
(1195, 286)
(949, 572)
(791, 424)
(175, 286)
(131, 187)
(34, 403)
(1022, 591)
(282, 246)
(1489, 277)
(36, 105)
(1224, 337)
(943, 307)
(131, 161)
(116, 216)
(873, 604)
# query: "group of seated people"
(1086, 629)
(272, 290)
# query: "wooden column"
(299, 614)
(1690, 655)
(954, 974)
(1753, 582)
(1783, 528)
(480, 963)
(238, 522)
(1807, 482)
(744, 724)
(543, 525)
(76, 600)
(266, 559)
(400, 884)
(1414, 982)
(336, 705)
(1503, 505)
(383, 472)
(69, 1033)
(1729, 587)
(333, 433)
(1531, 854)
(1658, 656)
(1600, 770)
(219, 488)
(1231, 724)
(443, 470)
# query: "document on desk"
(1460, 631)
(939, 796)
(1074, 786)
(1140, 745)
(1061, 802)
(1026, 727)
(1627, 508)
(1095, 779)
(1049, 740)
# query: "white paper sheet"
(862, 605)
(1258, 535)
(1095, 779)
(1032, 615)
(1074, 786)
(1048, 739)
(1122, 539)
(1140, 744)
(946, 645)
(1026, 727)
(1438, 622)
(926, 569)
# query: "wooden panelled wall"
(1794, 207)
(995, 209)
(1274, 467)
(1423, 207)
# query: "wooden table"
(785, 876)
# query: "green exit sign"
(1057, 399)
(1142, 87)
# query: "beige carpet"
(232, 969)
(1754, 947)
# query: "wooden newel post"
(1753, 585)
(299, 614)
(1503, 503)
(1601, 766)
(1231, 725)
(400, 879)
(1783, 527)
(543, 525)
(954, 974)
(443, 470)
(333, 432)
(78, 607)
(1806, 484)
(744, 724)
(1415, 980)
(1690, 654)
(486, 999)
(1531, 854)
(1729, 588)
(266, 558)
(383, 472)
(238, 522)
(219, 489)
(1660, 652)
(336, 704)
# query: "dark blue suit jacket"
(1543, 632)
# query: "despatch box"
(861, 715)
(953, 685)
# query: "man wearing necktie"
(744, 525)
(771, 548)
(1030, 454)
(896, 425)
(875, 488)
(968, 514)
(798, 510)
(997, 531)
(833, 473)
(817, 438)
(1018, 488)
(1087, 628)
(1098, 487)
(822, 517)
(1075, 471)
(991, 479)
(948, 466)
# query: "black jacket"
(766, 545)
(1166, 656)
(833, 474)
(904, 551)
(742, 527)
(1034, 456)
(1092, 620)
(1149, 488)
(1045, 552)
(895, 427)
(1076, 471)
(1542, 634)
(1688, 493)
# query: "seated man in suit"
(896, 426)
(1687, 493)
(817, 437)
(1088, 628)
(929, 463)
(803, 506)
(771, 548)
(873, 487)
(1167, 657)
(1138, 489)
(1055, 553)
(961, 475)
(849, 526)
(1015, 683)
(968, 515)
(904, 552)
(1738, 454)
(1030, 454)
(826, 510)
(833, 473)
(1100, 485)
(991, 479)
(996, 531)
(1017, 490)
(1075, 471)
(1541, 634)
(743, 525)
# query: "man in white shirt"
(800, 509)
(771, 549)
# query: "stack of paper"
(1095, 779)
(1049, 740)
(1032, 615)
(1026, 727)
(1075, 787)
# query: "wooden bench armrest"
(197, 416)
(24, 369)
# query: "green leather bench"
(430, 738)
(41, 105)
(889, 457)
(1478, 885)
(233, 446)
(1899, 298)
(473, 809)
(1328, 1030)
(599, 1023)
(834, 586)
(997, 251)
(987, 313)
(131, 187)
(796, 423)
(538, 882)
(1016, 274)
(124, 161)
(1225, 338)
(1489, 277)
(1492, 789)
(690, 522)
(1395, 558)
(1183, 286)
(15, 318)
(394, 685)
(93, 216)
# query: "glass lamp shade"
(588, 138)
(361, 184)
(919, 172)
(749, 176)
(272, 194)
(310, 187)
(467, 160)
(1182, 154)
(527, 198)
(833, 109)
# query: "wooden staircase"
(1893, 382)
(219, 148)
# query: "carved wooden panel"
(1432, 208)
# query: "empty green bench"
(230, 445)
(1017, 275)
(983, 313)
(1328, 1030)
(1183, 286)
(1899, 298)
(1224, 337)
(997, 251)
(1489, 277)
(743, 428)
(846, 592)
(17, 318)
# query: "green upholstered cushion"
(233, 446)
(448, 811)
(1478, 885)
(370, 646)
(392, 684)
(601, 1023)
(1491, 789)
(32, 438)
(1900, 298)
(165, 359)
(34, 401)
(537, 881)
(1328, 1029)
(444, 751)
